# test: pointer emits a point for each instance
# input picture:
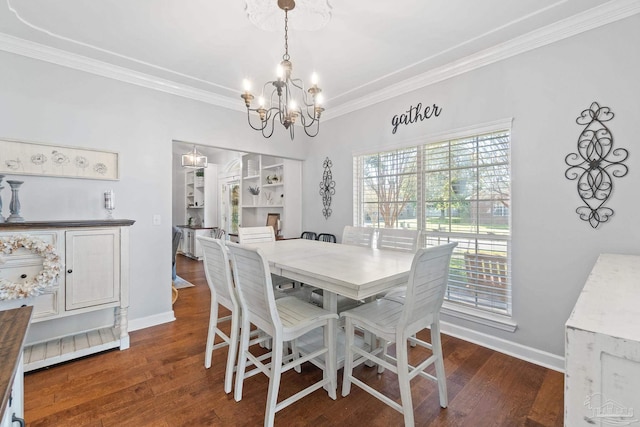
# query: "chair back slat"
(254, 286)
(309, 235)
(247, 235)
(218, 271)
(218, 233)
(326, 237)
(358, 236)
(398, 239)
(427, 283)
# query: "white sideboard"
(93, 283)
(602, 348)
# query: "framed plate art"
(34, 158)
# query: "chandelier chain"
(286, 56)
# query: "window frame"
(500, 320)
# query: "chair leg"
(295, 354)
(385, 348)
(211, 335)
(274, 382)
(403, 380)
(330, 366)
(242, 359)
(436, 344)
(348, 357)
(233, 349)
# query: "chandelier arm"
(317, 129)
(298, 83)
(309, 113)
(267, 135)
(249, 110)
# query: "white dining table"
(352, 271)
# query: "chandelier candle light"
(282, 104)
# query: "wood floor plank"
(161, 381)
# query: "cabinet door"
(92, 268)
(190, 249)
(197, 251)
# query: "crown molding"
(82, 63)
(609, 12)
(612, 11)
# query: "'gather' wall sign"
(413, 114)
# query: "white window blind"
(387, 188)
(455, 191)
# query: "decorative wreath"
(43, 280)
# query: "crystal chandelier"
(289, 101)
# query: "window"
(456, 190)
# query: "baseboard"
(147, 322)
(529, 354)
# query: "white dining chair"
(398, 239)
(284, 320)
(248, 235)
(218, 273)
(397, 322)
(358, 236)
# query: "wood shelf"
(68, 348)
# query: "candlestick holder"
(14, 206)
(109, 203)
(1, 188)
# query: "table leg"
(330, 301)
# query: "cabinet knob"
(23, 276)
(69, 271)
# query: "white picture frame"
(36, 158)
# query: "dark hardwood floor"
(161, 381)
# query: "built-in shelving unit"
(201, 196)
(279, 181)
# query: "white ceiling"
(205, 48)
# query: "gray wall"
(544, 91)
(48, 103)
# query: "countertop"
(66, 224)
(13, 330)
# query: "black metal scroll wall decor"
(595, 164)
(327, 188)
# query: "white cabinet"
(201, 196)
(280, 183)
(602, 353)
(93, 286)
(190, 244)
